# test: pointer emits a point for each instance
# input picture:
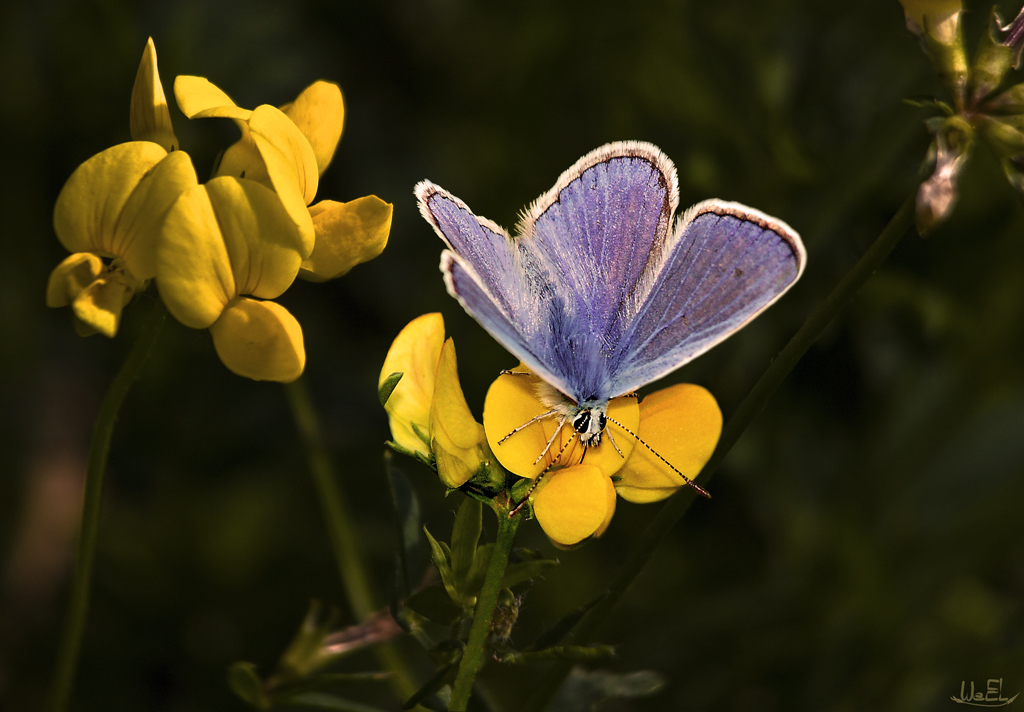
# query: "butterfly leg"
(615, 444)
(536, 482)
(509, 372)
(527, 424)
(700, 490)
(547, 447)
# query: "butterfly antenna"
(536, 482)
(527, 424)
(700, 490)
(547, 447)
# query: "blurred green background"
(865, 546)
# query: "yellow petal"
(150, 119)
(611, 502)
(141, 219)
(99, 305)
(291, 166)
(243, 160)
(347, 234)
(456, 438)
(259, 340)
(262, 242)
(193, 270)
(512, 401)
(319, 112)
(71, 276)
(415, 353)
(573, 504)
(198, 98)
(682, 424)
(88, 210)
(222, 239)
(939, 16)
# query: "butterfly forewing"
(725, 265)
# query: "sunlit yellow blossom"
(150, 119)
(112, 207)
(427, 410)
(287, 150)
(572, 502)
(456, 439)
(414, 353)
(223, 240)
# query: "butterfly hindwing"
(725, 264)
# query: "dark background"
(864, 548)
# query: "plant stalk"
(747, 410)
(342, 532)
(472, 656)
(92, 501)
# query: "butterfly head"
(589, 421)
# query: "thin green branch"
(753, 404)
(341, 530)
(472, 656)
(85, 554)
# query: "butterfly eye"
(601, 421)
(582, 422)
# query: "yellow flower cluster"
(219, 251)
(575, 495)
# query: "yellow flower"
(223, 240)
(940, 17)
(575, 499)
(427, 410)
(288, 149)
(111, 208)
(150, 119)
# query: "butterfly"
(604, 289)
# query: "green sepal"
(992, 61)
(572, 653)
(388, 387)
(475, 579)
(949, 62)
(442, 560)
(435, 604)
(425, 437)
(1010, 101)
(244, 682)
(1005, 134)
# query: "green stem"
(343, 534)
(473, 655)
(85, 553)
(753, 404)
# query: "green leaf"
(442, 562)
(526, 571)
(475, 580)
(444, 676)
(562, 627)
(324, 701)
(303, 654)
(572, 653)
(388, 387)
(434, 603)
(991, 62)
(244, 682)
(406, 507)
(930, 102)
(465, 536)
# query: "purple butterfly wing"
(496, 282)
(597, 232)
(725, 264)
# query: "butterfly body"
(604, 289)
